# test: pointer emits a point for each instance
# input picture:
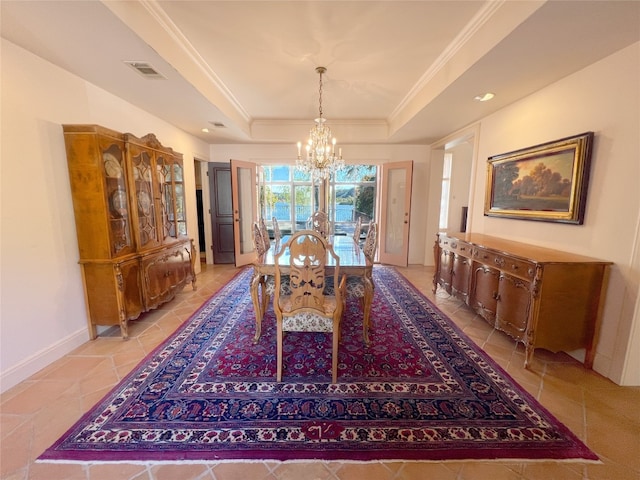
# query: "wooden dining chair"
(266, 286)
(356, 285)
(263, 281)
(307, 308)
(369, 249)
(319, 222)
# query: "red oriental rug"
(421, 391)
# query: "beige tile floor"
(40, 409)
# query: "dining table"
(352, 262)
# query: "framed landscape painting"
(547, 182)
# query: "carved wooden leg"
(264, 296)
(366, 309)
(124, 328)
(334, 354)
(279, 351)
(193, 265)
(93, 331)
(255, 297)
(529, 349)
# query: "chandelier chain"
(320, 97)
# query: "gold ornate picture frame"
(546, 182)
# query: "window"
(289, 196)
(353, 195)
(446, 189)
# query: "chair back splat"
(307, 308)
(276, 230)
(357, 229)
(319, 222)
(371, 242)
(265, 234)
(258, 239)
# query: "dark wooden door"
(221, 212)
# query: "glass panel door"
(245, 209)
(394, 213)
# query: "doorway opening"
(202, 244)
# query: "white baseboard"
(36, 362)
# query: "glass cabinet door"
(117, 200)
(167, 204)
(178, 186)
(172, 196)
(142, 166)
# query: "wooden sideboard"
(541, 297)
(129, 205)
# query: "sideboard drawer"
(455, 245)
(506, 263)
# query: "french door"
(245, 209)
(395, 213)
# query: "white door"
(245, 209)
(395, 209)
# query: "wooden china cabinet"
(129, 204)
(541, 297)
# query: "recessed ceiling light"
(484, 97)
(205, 130)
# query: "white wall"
(354, 155)
(42, 311)
(603, 98)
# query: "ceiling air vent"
(218, 124)
(145, 69)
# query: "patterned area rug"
(421, 391)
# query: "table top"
(345, 247)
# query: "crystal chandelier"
(320, 159)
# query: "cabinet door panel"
(165, 274)
(514, 306)
(132, 290)
(485, 291)
(460, 276)
(446, 265)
